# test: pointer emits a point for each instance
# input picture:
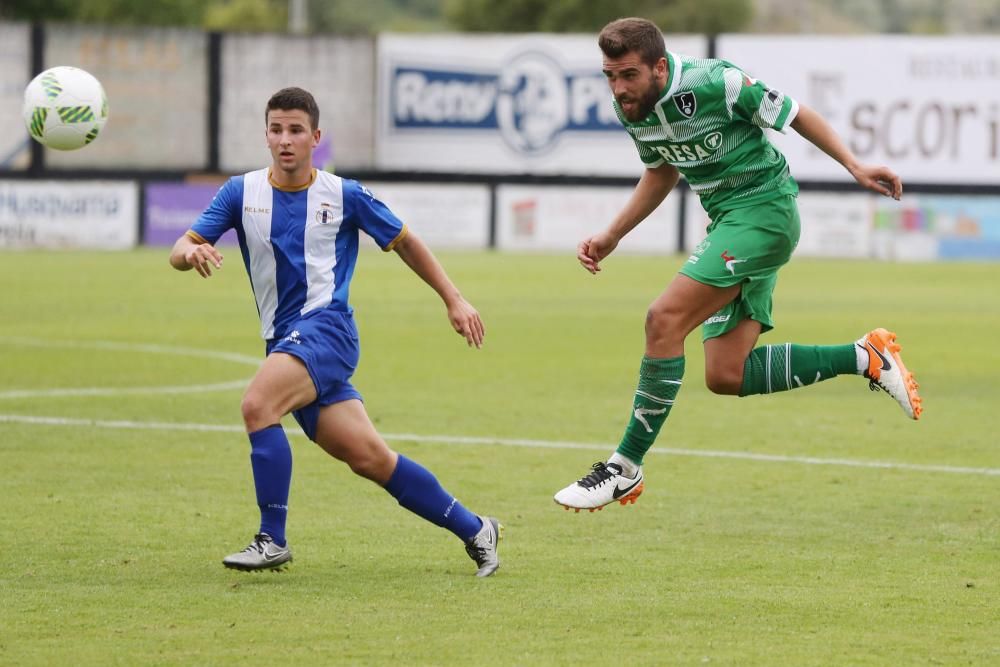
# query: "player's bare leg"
(683, 306)
(726, 355)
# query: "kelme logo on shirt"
(686, 103)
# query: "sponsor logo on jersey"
(531, 100)
(717, 319)
(686, 103)
(255, 209)
(698, 251)
(694, 152)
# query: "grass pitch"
(126, 476)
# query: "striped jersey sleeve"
(754, 102)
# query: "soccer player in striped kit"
(705, 119)
(298, 234)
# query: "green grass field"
(766, 536)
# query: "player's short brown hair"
(632, 35)
(294, 98)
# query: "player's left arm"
(463, 317)
(877, 178)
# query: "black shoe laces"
(259, 542)
(600, 473)
(476, 551)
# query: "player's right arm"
(195, 249)
(189, 253)
(653, 187)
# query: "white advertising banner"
(929, 107)
(101, 215)
(444, 216)
(15, 58)
(338, 71)
(527, 103)
(557, 218)
(832, 224)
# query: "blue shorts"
(326, 341)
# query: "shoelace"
(601, 473)
(259, 540)
(476, 551)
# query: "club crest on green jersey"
(686, 103)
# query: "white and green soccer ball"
(65, 108)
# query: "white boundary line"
(516, 442)
(125, 391)
(150, 348)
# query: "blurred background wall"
(489, 124)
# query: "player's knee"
(373, 463)
(724, 382)
(256, 411)
(661, 321)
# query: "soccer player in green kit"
(705, 119)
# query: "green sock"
(774, 368)
(659, 382)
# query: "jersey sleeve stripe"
(784, 120)
(734, 83)
(195, 236)
(399, 237)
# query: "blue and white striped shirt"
(299, 246)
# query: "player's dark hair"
(294, 98)
(632, 35)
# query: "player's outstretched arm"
(188, 254)
(652, 188)
(463, 317)
(816, 130)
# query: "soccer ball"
(65, 108)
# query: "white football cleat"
(261, 554)
(604, 485)
(886, 371)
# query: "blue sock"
(416, 489)
(271, 460)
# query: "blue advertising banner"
(502, 104)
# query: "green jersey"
(708, 123)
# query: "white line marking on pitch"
(129, 347)
(136, 347)
(125, 391)
(514, 442)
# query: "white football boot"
(604, 485)
(886, 371)
(261, 554)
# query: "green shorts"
(746, 245)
